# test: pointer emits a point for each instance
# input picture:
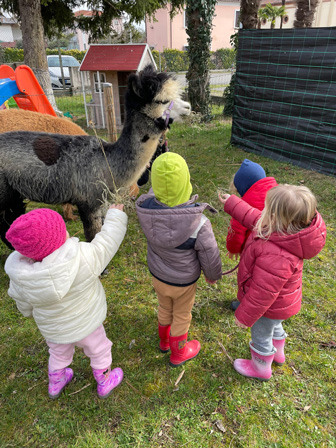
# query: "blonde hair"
(288, 209)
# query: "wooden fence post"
(110, 112)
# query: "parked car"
(55, 70)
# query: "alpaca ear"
(136, 87)
(134, 84)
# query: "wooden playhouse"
(111, 65)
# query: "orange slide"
(31, 95)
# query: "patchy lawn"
(211, 406)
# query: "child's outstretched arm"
(246, 215)
(106, 243)
(237, 233)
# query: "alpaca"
(57, 169)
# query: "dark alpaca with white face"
(57, 169)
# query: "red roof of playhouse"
(120, 57)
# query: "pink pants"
(96, 346)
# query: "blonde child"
(289, 230)
(180, 244)
(55, 279)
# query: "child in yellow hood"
(180, 245)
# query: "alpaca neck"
(139, 138)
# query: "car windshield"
(67, 61)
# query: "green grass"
(296, 408)
(74, 105)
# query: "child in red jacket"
(251, 183)
(288, 231)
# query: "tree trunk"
(33, 45)
(249, 13)
(305, 13)
(199, 15)
(283, 3)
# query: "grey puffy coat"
(180, 240)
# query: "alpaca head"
(152, 92)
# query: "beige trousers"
(175, 305)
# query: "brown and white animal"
(26, 120)
(57, 169)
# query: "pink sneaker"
(279, 357)
(58, 379)
(259, 367)
(107, 380)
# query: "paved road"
(217, 77)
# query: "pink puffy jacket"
(270, 271)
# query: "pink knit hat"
(37, 233)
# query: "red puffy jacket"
(255, 196)
(270, 271)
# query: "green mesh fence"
(285, 96)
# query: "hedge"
(169, 60)
(10, 55)
(176, 60)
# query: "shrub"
(229, 97)
(10, 55)
(177, 60)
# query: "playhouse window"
(102, 80)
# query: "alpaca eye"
(162, 102)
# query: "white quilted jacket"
(63, 292)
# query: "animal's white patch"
(171, 91)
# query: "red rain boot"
(279, 357)
(164, 331)
(181, 350)
(259, 367)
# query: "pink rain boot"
(279, 357)
(58, 379)
(107, 380)
(260, 366)
(164, 331)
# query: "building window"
(96, 83)
(237, 23)
(185, 21)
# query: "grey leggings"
(263, 331)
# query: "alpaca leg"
(92, 221)
(9, 214)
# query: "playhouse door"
(122, 83)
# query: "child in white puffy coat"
(55, 279)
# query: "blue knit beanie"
(247, 175)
